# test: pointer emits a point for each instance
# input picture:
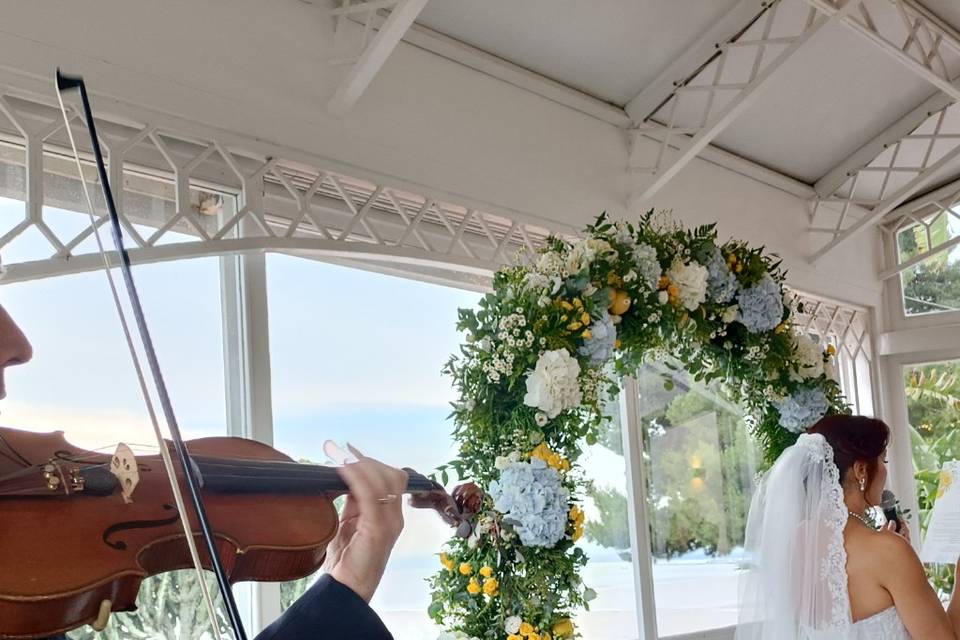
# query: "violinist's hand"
(369, 526)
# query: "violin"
(80, 530)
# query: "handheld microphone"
(888, 503)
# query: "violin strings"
(13, 451)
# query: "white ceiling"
(824, 104)
(610, 49)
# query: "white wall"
(260, 69)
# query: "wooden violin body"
(64, 553)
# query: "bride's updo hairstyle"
(854, 438)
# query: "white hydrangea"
(512, 625)
(691, 281)
(552, 386)
(809, 356)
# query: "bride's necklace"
(860, 518)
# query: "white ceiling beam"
(374, 55)
(921, 51)
(903, 127)
(918, 40)
(889, 204)
(641, 106)
(496, 67)
(735, 163)
(716, 122)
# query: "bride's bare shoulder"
(884, 548)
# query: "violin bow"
(66, 83)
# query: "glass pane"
(933, 410)
(81, 354)
(356, 357)
(701, 464)
(606, 540)
(932, 286)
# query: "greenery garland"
(544, 353)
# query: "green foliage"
(933, 407)
(934, 284)
(554, 306)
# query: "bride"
(819, 571)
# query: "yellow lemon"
(619, 303)
(563, 629)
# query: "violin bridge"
(123, 465)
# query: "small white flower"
(501, 462)
(543, 301)
(730, 314)
(512, 625)
(541, 419)
(514, 456)
(830, 368)
(630, 276)
(663, 297)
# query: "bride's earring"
(863, 485)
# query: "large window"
(610, 570)
(356, 358)
(701, 463)
(933, 410)
(82, 381)
(933, 285)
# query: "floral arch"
(544, 351)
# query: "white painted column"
(246, 336)
(637, 509)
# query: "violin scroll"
(457, 510)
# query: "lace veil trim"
(833, 568)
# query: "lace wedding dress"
(795, 587)
(886, 625)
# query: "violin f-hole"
(114, 529)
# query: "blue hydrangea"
(761, 306)
(721, 282)
(533, 500)
(603, 337)
(801, 410)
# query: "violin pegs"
(103, 617)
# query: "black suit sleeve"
(327, 610)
